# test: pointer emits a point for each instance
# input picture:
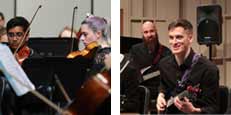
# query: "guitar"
(190, 92)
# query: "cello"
(91, 94)
(94, 92)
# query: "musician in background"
(150, 48)
(186, 68)
(3, 35)
(66, 33)
(2, 20)
(146, 57)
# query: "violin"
(91, 94)
(86, 52)
(22, 54)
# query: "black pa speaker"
(209, 24)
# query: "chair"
(224, 98)
(228, 111)
(144, 98)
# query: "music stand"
(127, 42)
(52, 46)
(71, 72)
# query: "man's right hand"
(161, 103)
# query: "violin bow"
(61, 87)
(72, 29)
(36, 93)
(27, 30)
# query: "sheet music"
(125, 65)
(13, 72)
(144, 69)
(151, 75)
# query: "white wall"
(55, 14)
(7, 8)
(102, 8)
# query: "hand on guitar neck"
(182, 101)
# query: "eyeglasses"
(17, 34)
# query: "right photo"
(174, 57)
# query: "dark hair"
(17, 21)
(181, 23)
(2, 15)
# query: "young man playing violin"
(18, 35)
(15, 30)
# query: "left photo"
(55, 57)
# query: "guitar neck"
(180, 96)
(183, 94)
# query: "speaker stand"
(210, 51)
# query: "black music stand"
(53, 46)
(71, 72)
(127, 42)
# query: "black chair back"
(224, 99)
(145, 99)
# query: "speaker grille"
(209, 20)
